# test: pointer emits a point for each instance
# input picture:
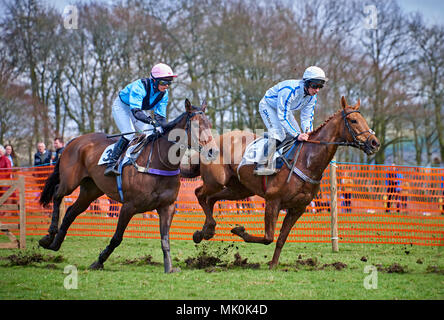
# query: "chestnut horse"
(224, 180)
(78, 166)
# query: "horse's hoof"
(197, 236)
(54, 247)
(238, 230)
(209, 235)
(96, 266)
(46, 241)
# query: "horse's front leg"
(209, 226)
(166, 215)
(126, 213)
(271, 215)
(288, 223)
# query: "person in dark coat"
(42, 156)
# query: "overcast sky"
(432, 10)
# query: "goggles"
(316, 86)
(165, 82)
(316, 83)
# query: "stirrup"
(264, 171)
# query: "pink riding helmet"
(162, 70)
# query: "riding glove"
(141, 116)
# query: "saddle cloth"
(256, 152)
(132, 152)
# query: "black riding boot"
(119, 147)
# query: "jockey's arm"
(285, 114)
(141, 116)
(160, 120)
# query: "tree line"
(60, 71)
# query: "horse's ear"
(343, 102)
(188, 106)
(204, 105)
(358, 104)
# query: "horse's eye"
(353, 121)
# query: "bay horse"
(78, 166)
(224, 180)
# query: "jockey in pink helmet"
(131, 108)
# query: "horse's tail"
(190, 170)
(50, 186)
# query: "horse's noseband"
(356, 143)
(188, 130)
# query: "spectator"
(347, 184)
(42, 156)
(437, 164)
(404, 195)
(5, 164)
(393, 181)
(59, 145)
(10, 153)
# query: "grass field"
(218, 270)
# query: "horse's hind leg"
(271, 216)
(126, 213)
(88, 193)
(288, 223)
(46, 241)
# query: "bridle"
(355, 143)
(194, 142)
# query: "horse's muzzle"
(371, 146)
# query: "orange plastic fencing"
(375, 205)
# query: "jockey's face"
(162, 88)
(164, 83)
(313, 91)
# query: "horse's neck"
(318, 156)
(161, 148)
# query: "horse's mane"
(325, 122)
(172, 124)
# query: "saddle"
(135, 146)
(286, 151)
(256, 150)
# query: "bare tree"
(430, 70)
(387, 48)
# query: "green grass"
(127, 277)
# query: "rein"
(194, 142)
(356, 143)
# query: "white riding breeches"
(126, 122)
(272, 122)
